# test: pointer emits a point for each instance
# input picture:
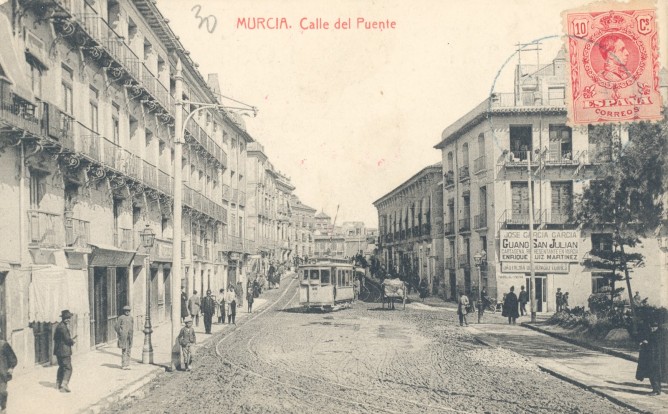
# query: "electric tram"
(326, 283)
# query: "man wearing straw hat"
(62, 349)
(124, 329)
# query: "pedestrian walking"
(186, 339)
(559, 298)
(564, 302)
(510, 306)
(221, 304)
(424, 287)
(652, 359)
(62, 349)
(184, 304)
(124, 329)
(231, 300)
(8, 362)
(485, 301)
(462, 308)
(194, 305)
(208, 310)
(524, 299)
(250, 299)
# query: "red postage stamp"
(613, 63)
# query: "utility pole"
(532, 287)
(178, 201)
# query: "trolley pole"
(178, 200)
(532, 287)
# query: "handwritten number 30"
(210, 20)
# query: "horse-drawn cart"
(392, 289)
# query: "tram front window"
(305, 274)
(314, 274)
(324, 277)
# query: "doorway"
(541, 292)
(453, 285)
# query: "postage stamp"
(613, 63)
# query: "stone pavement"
(97, 379)
(606, 375)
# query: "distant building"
(410, 219)
(303, 226)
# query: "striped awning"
(110, 256)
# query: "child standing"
(186, 340)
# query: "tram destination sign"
(549, 246)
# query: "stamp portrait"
(613, 63)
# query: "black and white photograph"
(363, 206)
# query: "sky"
(350, 114)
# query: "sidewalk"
(97, 379)
(606, 375)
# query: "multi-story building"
(323, 223)
(486, 174)
(87, 131)
(303, 226)
(329, 245)
(410, 228)
(284, 188)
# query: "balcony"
(563, 157)
(198, 252)
(227, 192)
(479, 164)
(449, 179)
(480, 221)
(449, 229)
(102, 41)
(165, 183)
(221, 257)
(123, 239)
(46, 229)
(464, 261)
(234, 196)
(525, 99)
(559, 217)
(17, 116)
(464, 173)
(465, 224)
(183, 249)
(77, 233)
(242, 198)
(514, 218)
(249, 246)
(195, 133)
(450, 263)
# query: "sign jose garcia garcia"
(613, 63)
(549, 246)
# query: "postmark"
(613, 63)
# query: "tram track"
(359, 393)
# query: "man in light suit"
(124, 329)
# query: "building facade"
(410, 229)
(303, 227)
(489, 156)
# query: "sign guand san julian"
(549, 246)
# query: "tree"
(625, 199)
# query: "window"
(520, 142)
(601, 242)
(93, 110)
(562, 201)
(115, 123)
(556, 96)
(305, 274)
(314, 274)
(599, 281)
(35, 80)
(37, 188)
(465, 155)
(67, 94)
(324, 277)
(561, 145)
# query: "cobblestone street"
(363, 359)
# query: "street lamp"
(479, 259)
(147, 240)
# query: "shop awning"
(53, 289)
(13, 63)
(110, 256)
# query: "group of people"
(225, 304)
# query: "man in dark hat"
(62, 349)
(124, 330)
(208, 310)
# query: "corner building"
(486, 155)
